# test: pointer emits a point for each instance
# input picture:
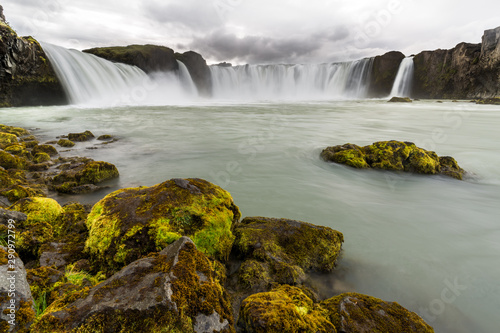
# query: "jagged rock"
(352, 312)
(172, 291)
(26, 76)
(149, 58)
(395, 156)
(400, 100)
(384, 71)
(16, 307)
(157, 216)
(200, 72)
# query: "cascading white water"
(403, 82)
(324, 81)
(88, 79)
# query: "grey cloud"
(194, 14)
(225, 46)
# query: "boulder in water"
(400, 100)
(395, 156)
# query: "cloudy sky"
(258, 31)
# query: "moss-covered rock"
(9, 161)
(129, 223)
(92, 172)
(281, 250)
(17, 131)
(284, 309)
(41, 226)
(172, 291)
(47, 149)
(65, 143)
(80, 137)
(395, 156)
(105, 137)
(41, 157)
(352, 312)
(400, 100)
(7, 139)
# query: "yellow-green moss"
(17, 131)
(65, 143)
(146, 219)
(7, 139)
(47, 149)
(392, 155)
(41, 157)
(39, 210)
(92, 172)
(284, 309)
(9, 161)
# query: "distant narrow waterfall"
(403, 82)
(88, 79)
(324, 81)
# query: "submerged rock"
(400, 100)
(352, 312)
(491, 101)
(282, 251)
(395, 156)
(172, 291)
(289, 309)
(129, 223)
(80, 137)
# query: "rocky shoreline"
(175, 256)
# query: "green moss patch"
(393, 156)
(129, 223)
(284, 309)
(281, 250)
(79, 137)
(65, 143)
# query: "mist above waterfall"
(90, 80)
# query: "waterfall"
(403, 82)
(324, 81)
(90, 80)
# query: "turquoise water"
(430, 243)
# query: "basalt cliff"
(26, 76)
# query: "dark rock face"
(384, 71)
(466, 71)
(149, 58)
(200, 72)
(446, 73)
(172, 291)
(26, 76)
